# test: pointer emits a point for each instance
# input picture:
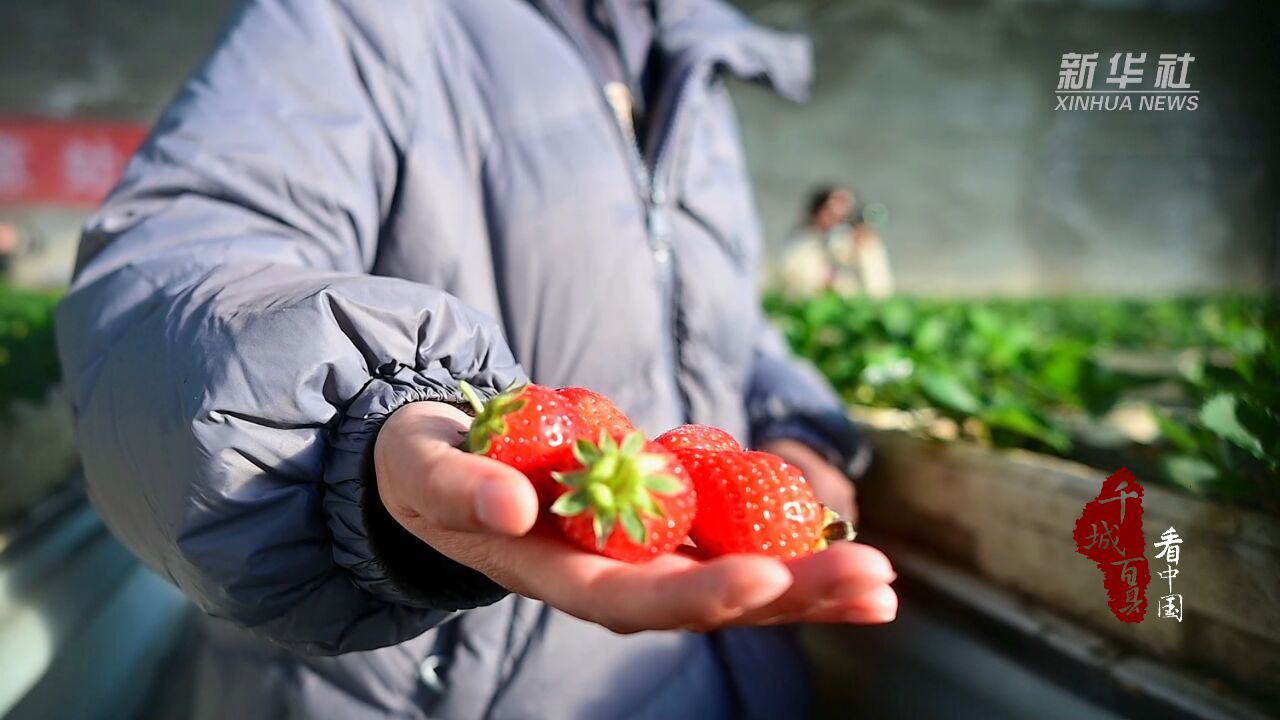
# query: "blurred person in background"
(835, 249)
(351, 208)
(862, 263)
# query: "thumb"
(427, 484)
(462, 492)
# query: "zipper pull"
(619, 97)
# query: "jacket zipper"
(659, 227)
(651, 187)
(659, 231)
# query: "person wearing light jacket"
(347, 210)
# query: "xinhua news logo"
(1123, 83)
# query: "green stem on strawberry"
(839, 531)
(616, 484)
(835, 530)
(491, 417)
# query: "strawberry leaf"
(574, 480)
(584, 451)
(948, 391)
(1192, 473)
(490, 420)
(570, 504)
(645, 502)
(1218, 414)
(663, 484)
(633, 526)
(633, 443)
(604, 528)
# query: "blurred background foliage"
(1185, 389)
(28, 357)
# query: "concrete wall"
(939, 109)
(944, 112)
(108, 59)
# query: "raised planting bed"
(1007, 516)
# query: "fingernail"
(884, 569)
(884, 604)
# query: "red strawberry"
(632, 502)
(691, 442)
(598, 413)
(530, 428)
(698, 437)
(754, 502)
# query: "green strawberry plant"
(1228, 442)
(1010, 371)
(28, 357)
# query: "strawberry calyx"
(491, 417)
(834, 530)
(617, 484)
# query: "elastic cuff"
(383, 558)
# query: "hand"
(834, 489)
(479, 512)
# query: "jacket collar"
(693, 32)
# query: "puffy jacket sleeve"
(787, 398)
(231, 360)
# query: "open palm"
(482, 513)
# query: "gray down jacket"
(353, 206)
